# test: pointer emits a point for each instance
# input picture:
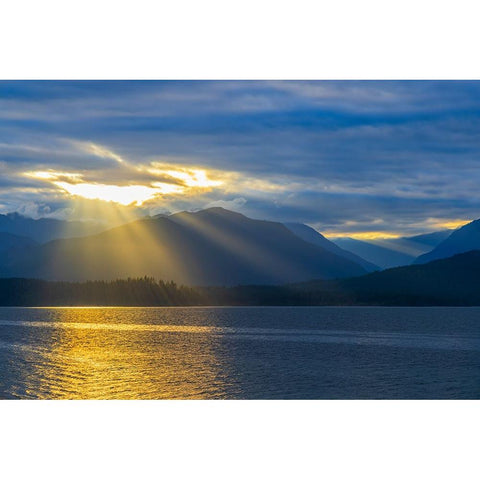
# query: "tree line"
(452, 281)
(144, 291)
(147, 291)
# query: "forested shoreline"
(147, 291)
(128, 292)
(430, 285)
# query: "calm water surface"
(240, 353)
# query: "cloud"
(37, 210)
(234, 204)
(324, 153)
(98, 150)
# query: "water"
(240, 353)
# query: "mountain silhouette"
(209, 247)
(393, 252)
(450, 281)
(461, 240)
(454, 280)
(45, 229)
(312, 236)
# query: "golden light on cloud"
(167, 188)
(433, 224)
(452, 224)
(98, 150)
(137, 183)
(73, 184)
(374, 235)
(184, 180)
(123, 195)
(191, 177)
(53, 175)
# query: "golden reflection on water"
(173, 353)
(88, 356)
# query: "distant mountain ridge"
(464, 239)
(383, 255)
(45, 229)
(431, 240)
(394, 252)
(312, 236)
(209, 247)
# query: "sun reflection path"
(92, 356)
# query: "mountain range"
(462, 240)
(209, 247)
(45, 229)
(312, 236)
(393, 252)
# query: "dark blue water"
(240, 353)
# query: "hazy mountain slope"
(383, 256)
(213, 246)
(462, 240)
(393, 252)
(9, 241)
(45, 229)
(428, 240)
(312, 236)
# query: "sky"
(366, 159)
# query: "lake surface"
(240, 353)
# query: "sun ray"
(248, 250)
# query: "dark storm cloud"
(343, 156)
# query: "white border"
(248, 39)
(240, 440)
(263, 39)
